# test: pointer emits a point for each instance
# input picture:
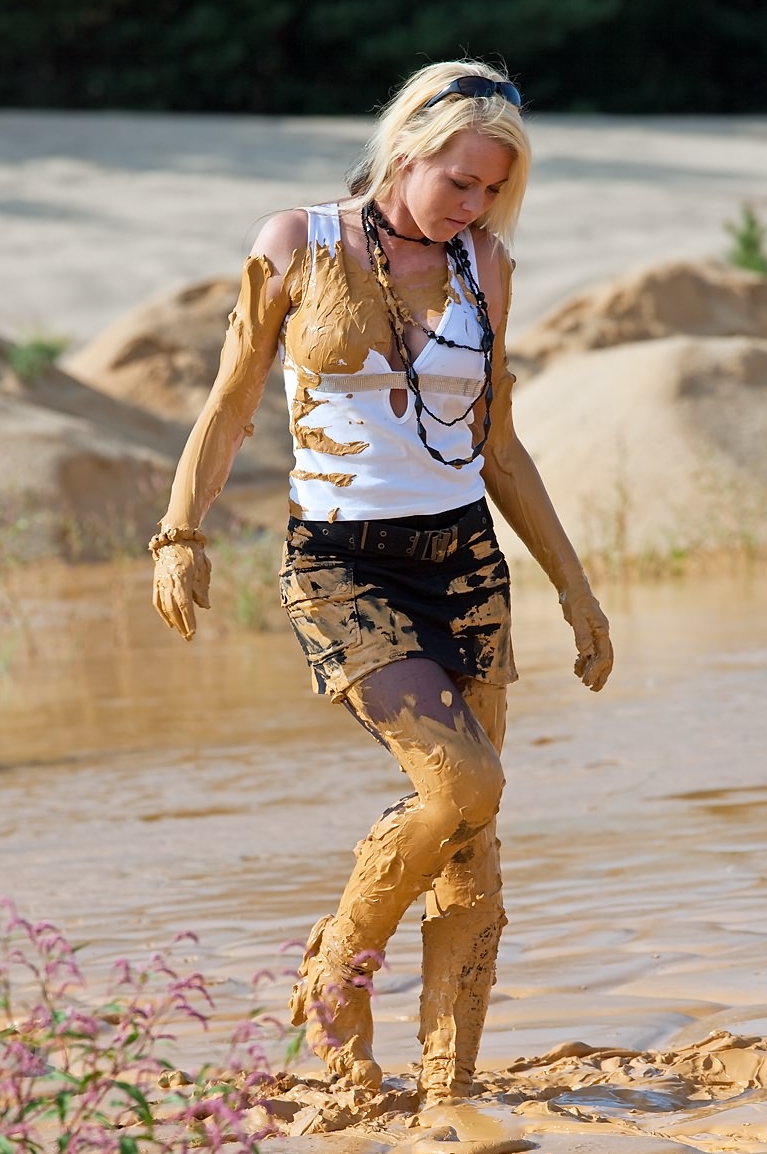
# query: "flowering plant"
(91, 1081)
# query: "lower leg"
(461, 931)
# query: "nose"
(475, 201)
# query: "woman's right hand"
(181, 581)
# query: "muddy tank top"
(355, 458)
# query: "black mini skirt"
(360, 595)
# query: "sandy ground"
(103, 212)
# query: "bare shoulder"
(281, 236)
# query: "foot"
(437, 1084)
(333, 999)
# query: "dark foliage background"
(345, 56)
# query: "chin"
(444, 234)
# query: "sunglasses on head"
(479, 86)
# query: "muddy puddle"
(150, 787)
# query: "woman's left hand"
(583, 612)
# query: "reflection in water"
(150, 787)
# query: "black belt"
(388, 539)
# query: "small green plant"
(246, 572)
(748, 235)
(35, 356)
(79, 1081)
(606, 529)
(18, 526)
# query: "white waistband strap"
(429, 383)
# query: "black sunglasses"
(479, 86)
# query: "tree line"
(311, 57)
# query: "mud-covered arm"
(517, 490)
(269, 286)
(249, 349)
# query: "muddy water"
(148, 786)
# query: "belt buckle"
(441, 543)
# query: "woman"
(389, 312)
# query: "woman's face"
(446, 192)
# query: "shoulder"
(494, 270)
(280, 238)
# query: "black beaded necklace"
(379, 262)
(383, 223)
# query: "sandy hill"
(644, 403)
(653, 450)
(164, 357)
(81, 474)
(700, 298)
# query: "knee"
(470, 793)
(478, 792)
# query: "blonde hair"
(406, 130)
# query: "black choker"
(383, 223)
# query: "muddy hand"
(181, 581)
(594, 662)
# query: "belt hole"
(381, 532)
(381, 545)
(325, 532)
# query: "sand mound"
(703, 298)
(81, 474)
(652, 450)
(164, 358)
(164, 355)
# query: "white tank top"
(355, 459)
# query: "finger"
(171, 610)
(601, 665)
(157, 602)
(184, 605)
(189, 622)
(584, 639)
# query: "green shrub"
(748, 236)
(32, 358)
